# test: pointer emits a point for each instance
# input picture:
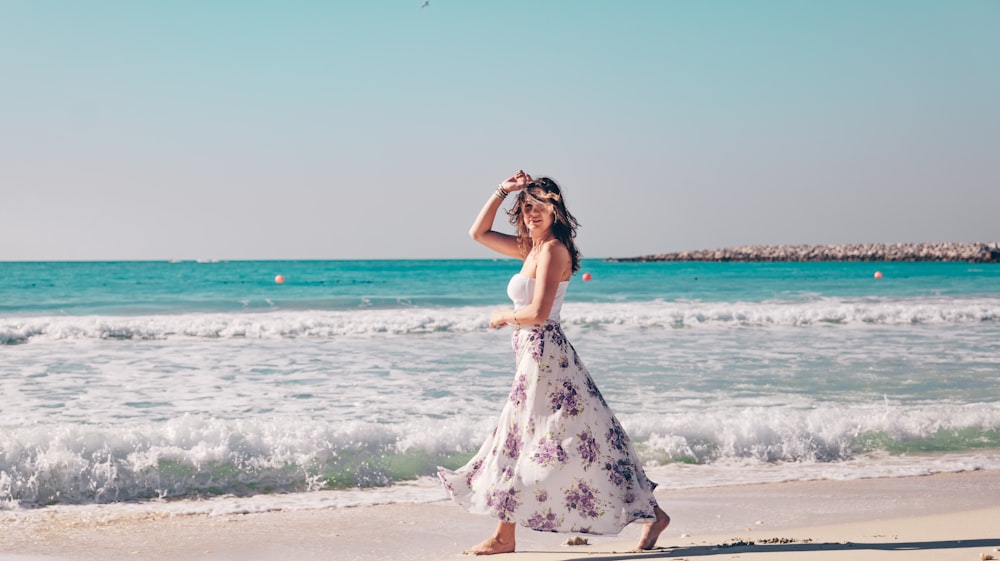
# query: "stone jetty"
(971, 252)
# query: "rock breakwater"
(949, 251)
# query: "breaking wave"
(657, 314)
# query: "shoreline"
(941, 516)
(972, 252)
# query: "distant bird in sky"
(426, 3)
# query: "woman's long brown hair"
(545, 192)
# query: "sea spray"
(194, 457)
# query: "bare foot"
(491, 546)
(652, 530)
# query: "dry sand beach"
(939, 517)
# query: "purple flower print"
(594, 392)
(556, 332)
(565, 398)
(549, 453)
(616, 436)
(639, 514)
(648, 512)
(504, 503)
(537, 341)
(588, 448)
(477, 468)
(518, 394)
(541, 495)
(508, 472)
(512, 447)
(620, 473)
(581, 498)
(544, 522)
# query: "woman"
(558, 460)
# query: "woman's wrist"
(501, 193)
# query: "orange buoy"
(878, 274)
(587, 277)
(280, 279)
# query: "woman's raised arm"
(482, 229)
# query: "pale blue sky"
(244, 129)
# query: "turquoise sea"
(209, 385)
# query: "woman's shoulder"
(554, 247)
(555, 253)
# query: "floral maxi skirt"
(558, 460)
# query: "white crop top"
(521, 288)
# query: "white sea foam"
(354, 407)
(300, 398)
(670, 477)
(657, 314)
(69, 463)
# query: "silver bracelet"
(501, 192)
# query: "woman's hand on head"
(496, 320)
(516, 182)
